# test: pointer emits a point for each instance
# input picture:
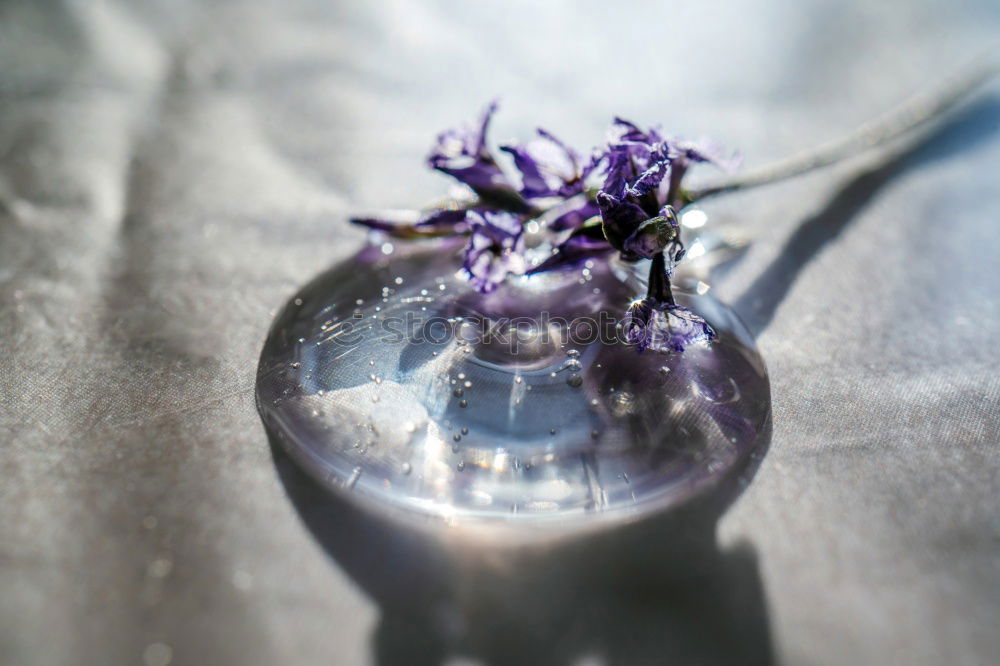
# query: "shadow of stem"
(759, 303)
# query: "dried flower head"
(630, 209)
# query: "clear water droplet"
(574, 380)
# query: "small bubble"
(296, 365)
(518, 379)
(375, 398)
(387, 248)
(455, 448)
(298, 301)
(460, 466)
(463, 403)
(457, 437)
(573, 353)
(407, 469)
(461, 375)
(594, 434)
(574, 380)
(371, 362)
(573, 364)
(360, 301)
(664, 370)
(468, 384)
(353, 478)
(465, 431)
(398, 280)
(458, 393)
(552, 431)
(301, 340)
(409, 427)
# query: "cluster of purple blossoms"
(633, 212)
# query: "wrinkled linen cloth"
(170, 172)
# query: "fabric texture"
(170, 172)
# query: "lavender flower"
(495, 249)
(632, 213)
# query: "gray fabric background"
(170, 172)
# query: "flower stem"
(906, 117)
(659, 283)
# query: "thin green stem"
(908, 116)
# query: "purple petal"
(548, 167)
(574, 216)
(650, 179)
(664, 327)
(462, 154)
(410, 224)
(495, 248)
(621, 217)
(533, 182)
(626, 131)
(571, 155)
(574, 251)
(484, 125)
(704, 151)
